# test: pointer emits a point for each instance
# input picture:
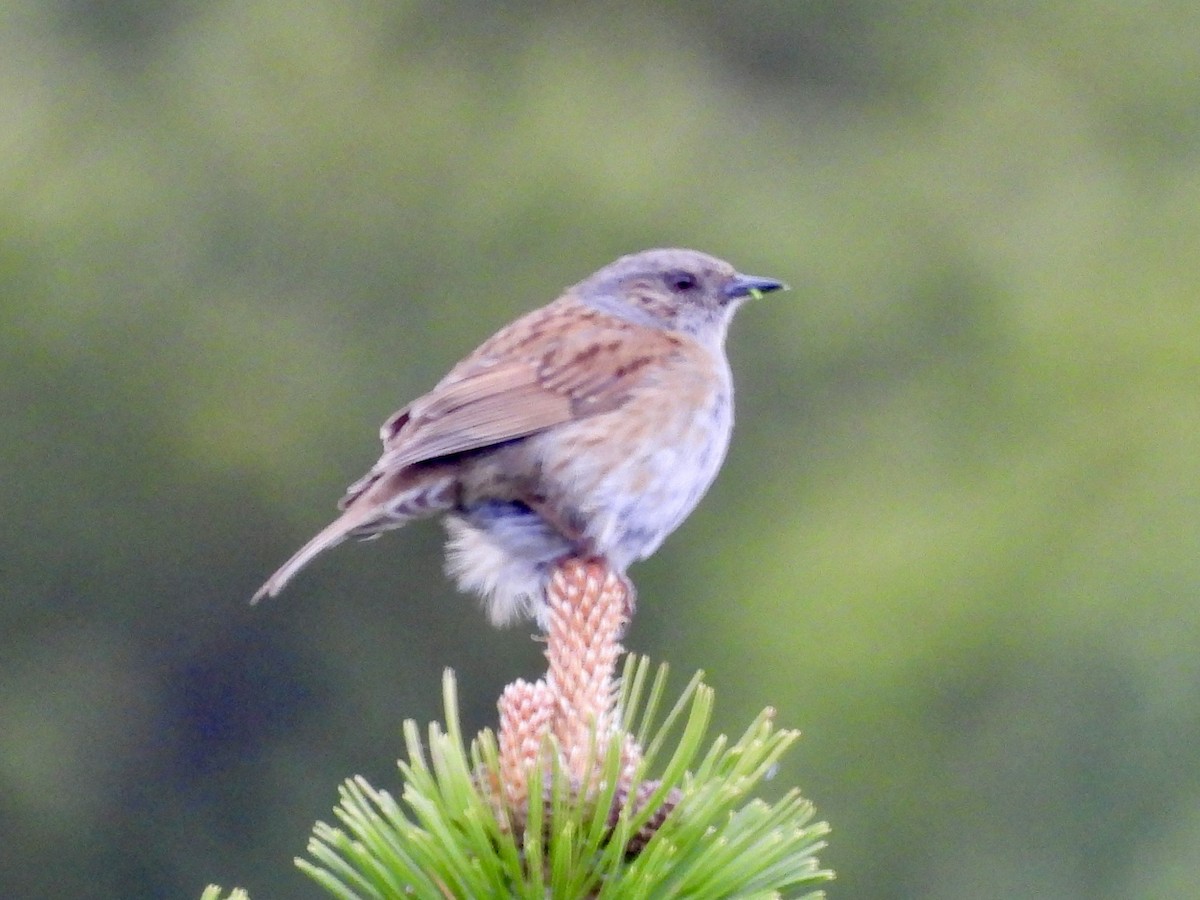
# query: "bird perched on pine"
(588, 428)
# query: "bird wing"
(533, 375)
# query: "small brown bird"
(589, 427)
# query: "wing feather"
(492, 406)
(533, 375)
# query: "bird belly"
(505, 553)
(626, 481)
(612, 485)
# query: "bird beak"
(751, 286)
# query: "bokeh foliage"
(957, 540)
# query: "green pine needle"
(446, 839)
(212, 892)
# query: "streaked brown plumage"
(591, 426)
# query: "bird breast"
(628, 478)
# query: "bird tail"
(328, 538)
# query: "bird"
(588, 428)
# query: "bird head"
(673, 289)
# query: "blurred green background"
(957, 538)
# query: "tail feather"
(328, 538)
(385, 503)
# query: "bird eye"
(679, 282)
